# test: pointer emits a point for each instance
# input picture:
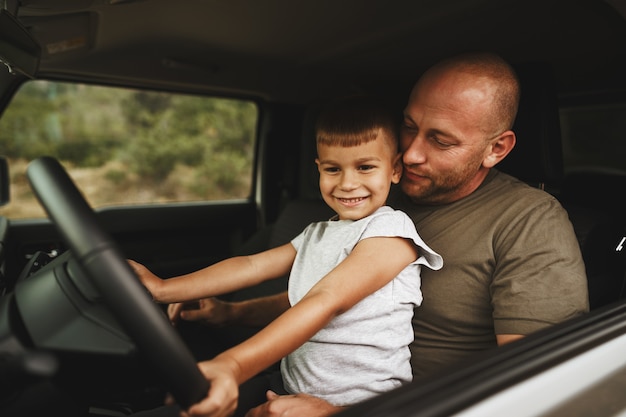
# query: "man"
(512, 264)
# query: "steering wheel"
(122, 292)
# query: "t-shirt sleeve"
(297, 241)
(398, 224)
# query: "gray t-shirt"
(364, 351)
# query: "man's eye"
(408, 128)
(440, 143)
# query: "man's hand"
(209, 311)
(257, 312)
(301, 405)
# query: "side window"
(124, 146)
(593, 138)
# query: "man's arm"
(257, 312)
(502, 339)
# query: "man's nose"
(414, 150)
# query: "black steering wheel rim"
(121, 291)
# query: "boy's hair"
(353, 120)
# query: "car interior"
(287, 57)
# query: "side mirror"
(4, 181)
(19, 51)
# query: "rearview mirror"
(19, 51)
(4, 181)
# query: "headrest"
(537, 157)
(595, 189)
(308, 186)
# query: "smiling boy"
(354, 280)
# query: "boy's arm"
(375, 261)
(222, 277)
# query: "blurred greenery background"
(124, 146)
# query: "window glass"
(593, 138)
(125, 146)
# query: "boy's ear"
(397, 169)
(499, 148)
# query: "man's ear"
(397, 169)
(499, 148)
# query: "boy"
(353, 285)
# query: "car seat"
(593, 201)
(537, 157)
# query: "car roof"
(300, 50)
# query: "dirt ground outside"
(109, 185)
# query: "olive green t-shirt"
(512, 265)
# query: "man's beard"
(438, 190)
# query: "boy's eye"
(366, 167)
(331, 170)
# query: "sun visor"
(19, 51)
